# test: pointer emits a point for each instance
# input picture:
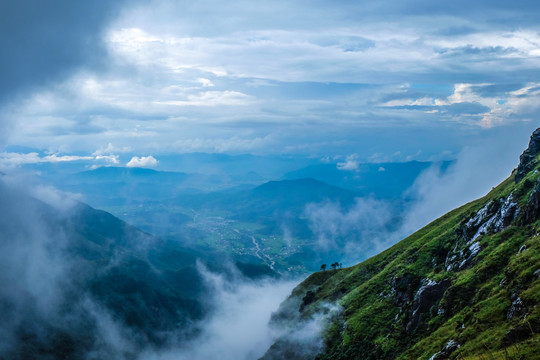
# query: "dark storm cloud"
(42, 40)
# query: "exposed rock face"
(449, 348)
(401, 290)
(516, 308)
(532, 212)
(516, 334)
(527, 160)
(427, 295)
(494, 217)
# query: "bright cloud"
(351, 163)
(143, 161)
(205, 82)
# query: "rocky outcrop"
(532, 211)
(516, 308)
(449, 348)
(494, 217)
(527, 160)
(516, 335)
(429, 293)
(401, 290)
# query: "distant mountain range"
(382, 180)
(175, 204)
(273, 198)
(112, 186)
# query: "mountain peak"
(527, 160)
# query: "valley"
(157, 284)
(275, 222)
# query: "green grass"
(377, 295)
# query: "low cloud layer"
(300, 335)
(43, 297)
(46, 312)
(33, 268)
(353, 231)
(372, 225)
(41, 278)
(473, 174)
(238, 328)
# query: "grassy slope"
(377, 295)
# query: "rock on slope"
(466, 286)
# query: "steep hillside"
(467, 286)
(79, 283)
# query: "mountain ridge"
(466, 286)
(384, 180)
(74, 276)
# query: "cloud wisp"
(238, 327)
(350, 163)
(13, 159)
(372, 225)
(355, 231)
(143, 161)
(33, 269)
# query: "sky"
(379, 81)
